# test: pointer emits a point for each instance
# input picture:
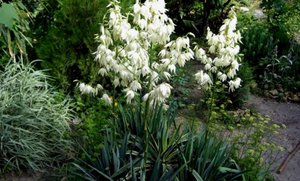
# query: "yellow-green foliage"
(251, 137)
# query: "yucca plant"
(33, 120)
(151, 138)
(143, 144)
(208, 158)
(113, 163)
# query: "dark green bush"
(258, 41)
(93, 116)
(66, 42)
(283, 17)
(68, 45)
(196, 15)
(34, 120)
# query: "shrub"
(63, 44)
(283, 18)
(269, 45)
(93, 116)
(258, 43)
(143, 145)
(66, 41)
(34, 119)
(195, 16)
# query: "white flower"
(132, 34)
(99, 87)
(212, 49)
(231, 73)
(162, 92)
(235, 65)
(223, 77)
(87, 89)
(136, 8)
(167, 75)
(232, 23)
(129, 95)
(102, 71)
(234, 84)
(142, 23)
(135, 85)
(163, 52)
(165, 60)
(165, 89)
(145, 70)
(203, 78)
(106, 99)
(207, 66)
(172, 68)
(145, 11)
(116, 82)
(145, 97)
(214, 69)
(159, 5)
(244, 9)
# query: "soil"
(288, 114)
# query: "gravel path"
(288, 114)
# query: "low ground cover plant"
(251, 136)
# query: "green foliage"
(181, 83)
(143, 145)
(269, 45)
(283, 16)
(251, 135)
(196, 15)
(93, 116)
(34, 119)
(8, 15)
(258, 41)
(66, 42)
(68, 45)
(208, 159)
(14, 23)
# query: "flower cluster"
(224, 49)
(136, 52)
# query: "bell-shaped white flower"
(234, 84)
(129, 96)
(106, 99)
(203, 78)
(135, 85)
